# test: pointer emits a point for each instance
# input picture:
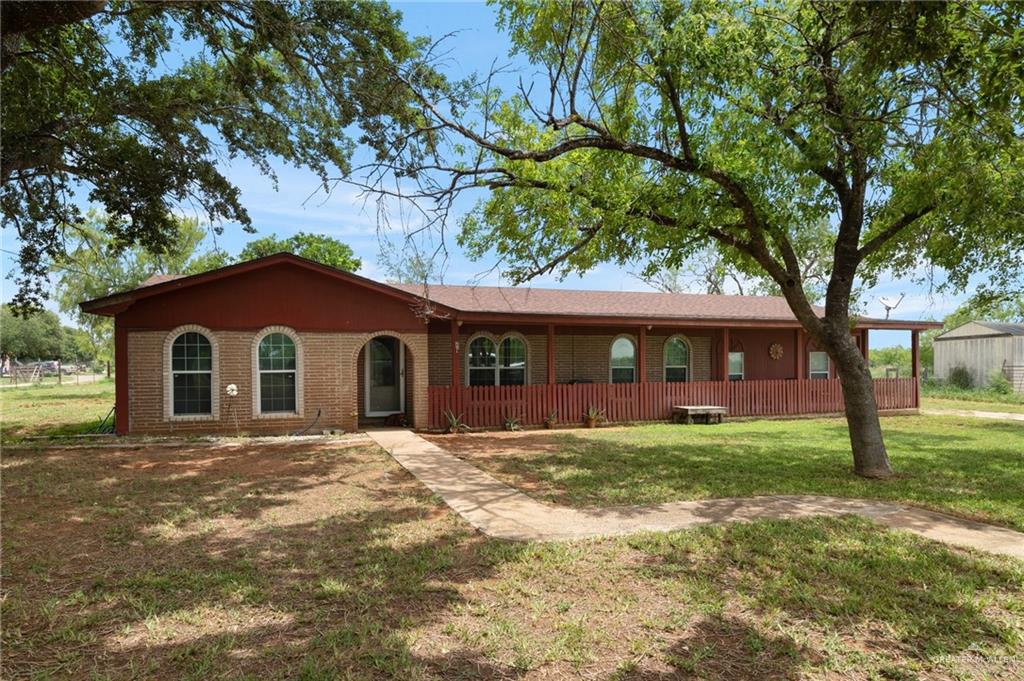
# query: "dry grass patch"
(326, 560)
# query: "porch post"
(801, 354)
(864, 344)
(725, 354)
(551, 354)
(914, 352)
(121, 414)
(456, 364)
(915, 370)
(641, 356)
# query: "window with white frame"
(191, 375)
(277, 361)
(497, 363)
(483, 361)
(735, 366)
(818, 362)
(677, 360)
(623, 361)
(512, 361)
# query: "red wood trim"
(725, 355)
(641, 359)
(801, 354)
(915, 369)
(551, 354)
(914, 352)
(669, 322)
(456, 363)
(104, 306)
(121, 415)
(487, 406)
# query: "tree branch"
(884, 236)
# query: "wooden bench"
(685, 413)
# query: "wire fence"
(22, 377)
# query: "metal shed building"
(982, 348)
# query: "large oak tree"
(133, 107)
(647, 130)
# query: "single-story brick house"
(282, 344)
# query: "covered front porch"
(487, 373)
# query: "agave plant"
(455, 422)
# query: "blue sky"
(298, 204)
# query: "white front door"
(385, 376)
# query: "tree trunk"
(870, 458)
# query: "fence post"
(60, 371)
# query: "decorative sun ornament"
(231, 390)
(775, 351)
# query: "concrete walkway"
(1000, 415)
(500, 511)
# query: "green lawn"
(967, 466)
(328, 561)
(54, 410)
(973, 405)
(997, 401)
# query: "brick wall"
(581, 357)
(439, 356)
(329, 374)
(700, 358)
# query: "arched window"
(501, 362)
(677, 360)
(191, 375)
(623, 361)
(277, 361)
(512, 362)
(483, 361)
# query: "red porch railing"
(489, 406)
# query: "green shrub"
(999, 384)
(960, 377)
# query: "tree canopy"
(37, 336)
(655, 128)
(94, 266)
(128, 106)
(319, 247)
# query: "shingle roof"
(159, 279)
(1004, 328)
(485, 301)
(543, 301)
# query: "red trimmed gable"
(284, 292)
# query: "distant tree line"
(95, 264)
(41, 336)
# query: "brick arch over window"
(665, 366)
(497, 340)
(300, 375)
(168, 391)
(636, 350)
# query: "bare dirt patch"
(325, 560)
